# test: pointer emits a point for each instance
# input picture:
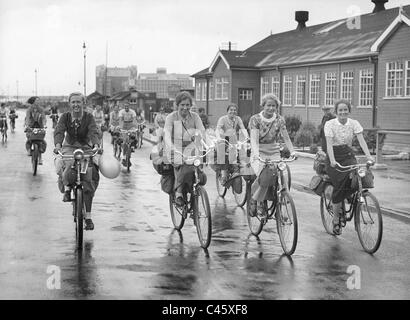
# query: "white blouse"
(342, 133)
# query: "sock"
(87, 215)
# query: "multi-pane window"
(287, 90)
(408, 78)
(366, 88)
(394, 77)
(221, 88)
(211, 89)
(245, 94)
(275, 86)
(347, 85)
(314, 97)
(204, 91)
(225, 86)
(264, 86)
(300, 90)
(197, 91)
(330, 88)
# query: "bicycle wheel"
(176, 213)
(34, 158)
(326, 209)
(219, 187)
(128, 158)
(254, 222)
(369, 223)
(79, 217)
(240, 198)
(287, 223)
(202, 216)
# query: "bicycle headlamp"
(78, 154)
(281, 166)
(362, 172)
(197, 162)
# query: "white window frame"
(314, 91)
(287, 90)
(211, 89)
(407, 79)
(275, 88)
(366, 88)
(264, 86)
(245, 94)
(203, 93)
(330, 83)
(300, 80)
(393, 68)
(218, 85)
(225, 88)
(197, 91)
(346, 85)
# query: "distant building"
(166, 85)
(110, 81)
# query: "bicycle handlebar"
(84, 155)
(355, 166)
(270, 161)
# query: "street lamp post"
(35, 72)
(85, 88)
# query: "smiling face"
(183, 107)
(232, 112)
(270, 108)
(77, 103)
(342, 111)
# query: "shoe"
(337, 229)
(89, 225)
(180, 202)
(262, 210)
(67, 196)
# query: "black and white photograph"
(204, 154)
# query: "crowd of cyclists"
(181, 131)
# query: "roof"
(330, 41)
(201, 73)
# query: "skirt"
(341, 181)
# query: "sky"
(183, 36)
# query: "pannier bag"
(319, 163)
(167, 183)
(317, 184)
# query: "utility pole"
(17, 95)
(35, 91)
(85, 88)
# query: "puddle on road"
(123, 228)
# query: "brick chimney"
(379, 5)
(301, 17)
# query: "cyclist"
(35, 118)
(339, 133)
(13, 116)
(99, 120)
(181, 129)
(114, 122)
(128, 121)
(265, 130)
(140, 122)
(54, 113)
(77, 130)
(229, 127)
(106, 110)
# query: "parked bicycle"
(36, 137)
(239, 192)
(128, 146)
(3, 129)
(196, 203)
(282, 209)
(363, 206)
(81, 163)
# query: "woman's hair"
(31, 100)
(232, 105)
(76, 94)
(270, 96)
(346, 102)
(183, 95)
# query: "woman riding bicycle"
(229, 127)
(181, 130)
(35, 118)
(114, 122)
(266, 128)
(339, 133)
(78, 130)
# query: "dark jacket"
(84, 132)
(325, 118)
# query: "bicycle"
(198, 197)
(128, 146)
(364, 208)
(282, 209)
(140, 133)
(54, 118)
(36, 137)
(117, 144)
(81, 162)
(222, 187)
(13, 118)
(3, 129)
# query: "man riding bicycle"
(4, 112)
(182, 130)
(266, 128)
(127, 121)
(35, 118)
(54, 114)
(77, 130)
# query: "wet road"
(133, 253)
